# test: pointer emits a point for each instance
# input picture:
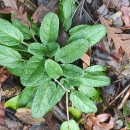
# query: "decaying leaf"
(86, 59)
(29, 5)
(126, 15)
(10, 6)
(22, 16)
(120, 40)
(97, 123)
(116, 3)
(25, 115)
(42, 10)
(2, 113)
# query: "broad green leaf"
(17, 69)
(97, 81)
(52, 48)
(90, 92)
(72, 52)
(66, 8)
(76, 113)
(53, 69)
(95, 68)
(126, 108)
(93, 34)
(12, 103)
(70, 70)
(96, 73)
(37, 49)
(49, 28)
(41, 102)
(26, 96)
(83, 103)
(46, 97)
(34, 72)
(64, 82)
(9, 35)
(76, 81)
(34, 29)
(57, 95)
(23, 28)
(19, 48)
(9, 57)
(29, 105)
(78, 28)
(90, 81)
(69, 125)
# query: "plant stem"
(62, 85)
(34, 38)
(25, 43)
(67, 105)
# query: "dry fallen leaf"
(120, 40)
(126, 15)
(103, 10)
(29, 5)
(97, 123)
(42, 10)
(25, 115)
(10, 6)
(2, 113)
(40, 13)
(86, 60)
(21, 15)
(116, 3)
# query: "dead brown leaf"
(21, 15)
(10, 6)
(116, 3)
(25, 115)
(97, 122)
(2, 113)
(120, 40)
(62, 38)
(126, 15)
(42, 10)
(3, 128)
(40, 13)
(29, 6)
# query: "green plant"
(47, 70)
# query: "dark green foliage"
(47, 71)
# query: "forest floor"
(112, 51)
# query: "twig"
(118, 96)
(67, 107)
(82, 6)
(62, 86)
(124, 100)
(85, 11)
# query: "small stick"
(67, 106)
(85, 11)
(118, 96)
(124, 100)
(82, 5)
